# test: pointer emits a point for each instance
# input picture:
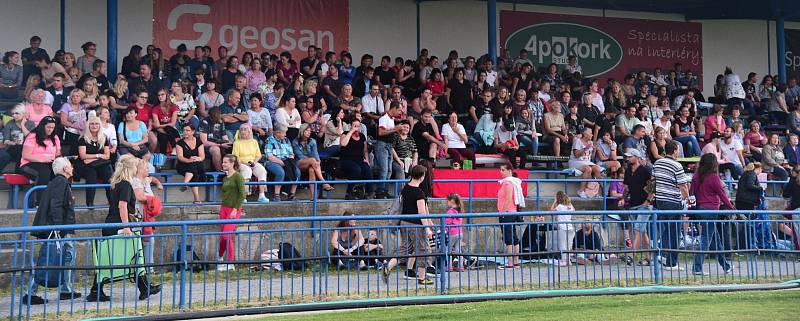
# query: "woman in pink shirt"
(507, 202)
(36, 107)
(710, 194)
(714, 122)
(255, 77)
(40, 149)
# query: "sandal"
(327, 188)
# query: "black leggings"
(170, 136)
(38, 172)
(100, 174)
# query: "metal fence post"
(184, 266)
(443, 256)
(654, 232)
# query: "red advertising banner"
(252, 25)
(605, 47)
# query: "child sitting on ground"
(374, 249)
(590, 242)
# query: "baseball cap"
(632, 152)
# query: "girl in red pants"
(233, 195)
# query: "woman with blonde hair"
(73, 119)
(121, 205)
(91, 92)
(30, 85)
(247, 150)
(182, 98)
(121, 94)
(95, 157)
(14, 133)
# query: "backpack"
(396, 207)
(287, 252)
(190, 263)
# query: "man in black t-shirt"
(635, 181)
(385, 75)
(424, 134)
(415, 231)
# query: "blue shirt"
(227, 109)
(309, 150)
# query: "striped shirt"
(669, 176)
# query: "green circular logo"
(553, 42)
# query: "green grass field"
(757, 305)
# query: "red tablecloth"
(483, 189)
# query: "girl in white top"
(564, 231)
(289, 117)
(108, 129)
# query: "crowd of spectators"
(285, 119)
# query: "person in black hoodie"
(748, 192)
(57, 208)
(748, 198)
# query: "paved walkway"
(246, 288)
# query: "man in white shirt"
(330, 59)
(372, 103)
(731, 150)
(383, 148)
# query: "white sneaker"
(263, 198)
(583, 195)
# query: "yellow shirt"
(247, 150)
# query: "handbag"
(50, 256)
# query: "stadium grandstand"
(277, 156)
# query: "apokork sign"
(252, 25)
(605, 47)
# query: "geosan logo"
(251, 25)
(553, 42)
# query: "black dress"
(196, 168)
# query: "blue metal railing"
(322, 273)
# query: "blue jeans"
(693, 147)
(532, 143)
(383, 162)
(763, 233)
(736, 170)
(147, 250)
(356, 170)
(709, 233)
(279, 171)
(670, 232)
(780, 173)
(68, 252)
